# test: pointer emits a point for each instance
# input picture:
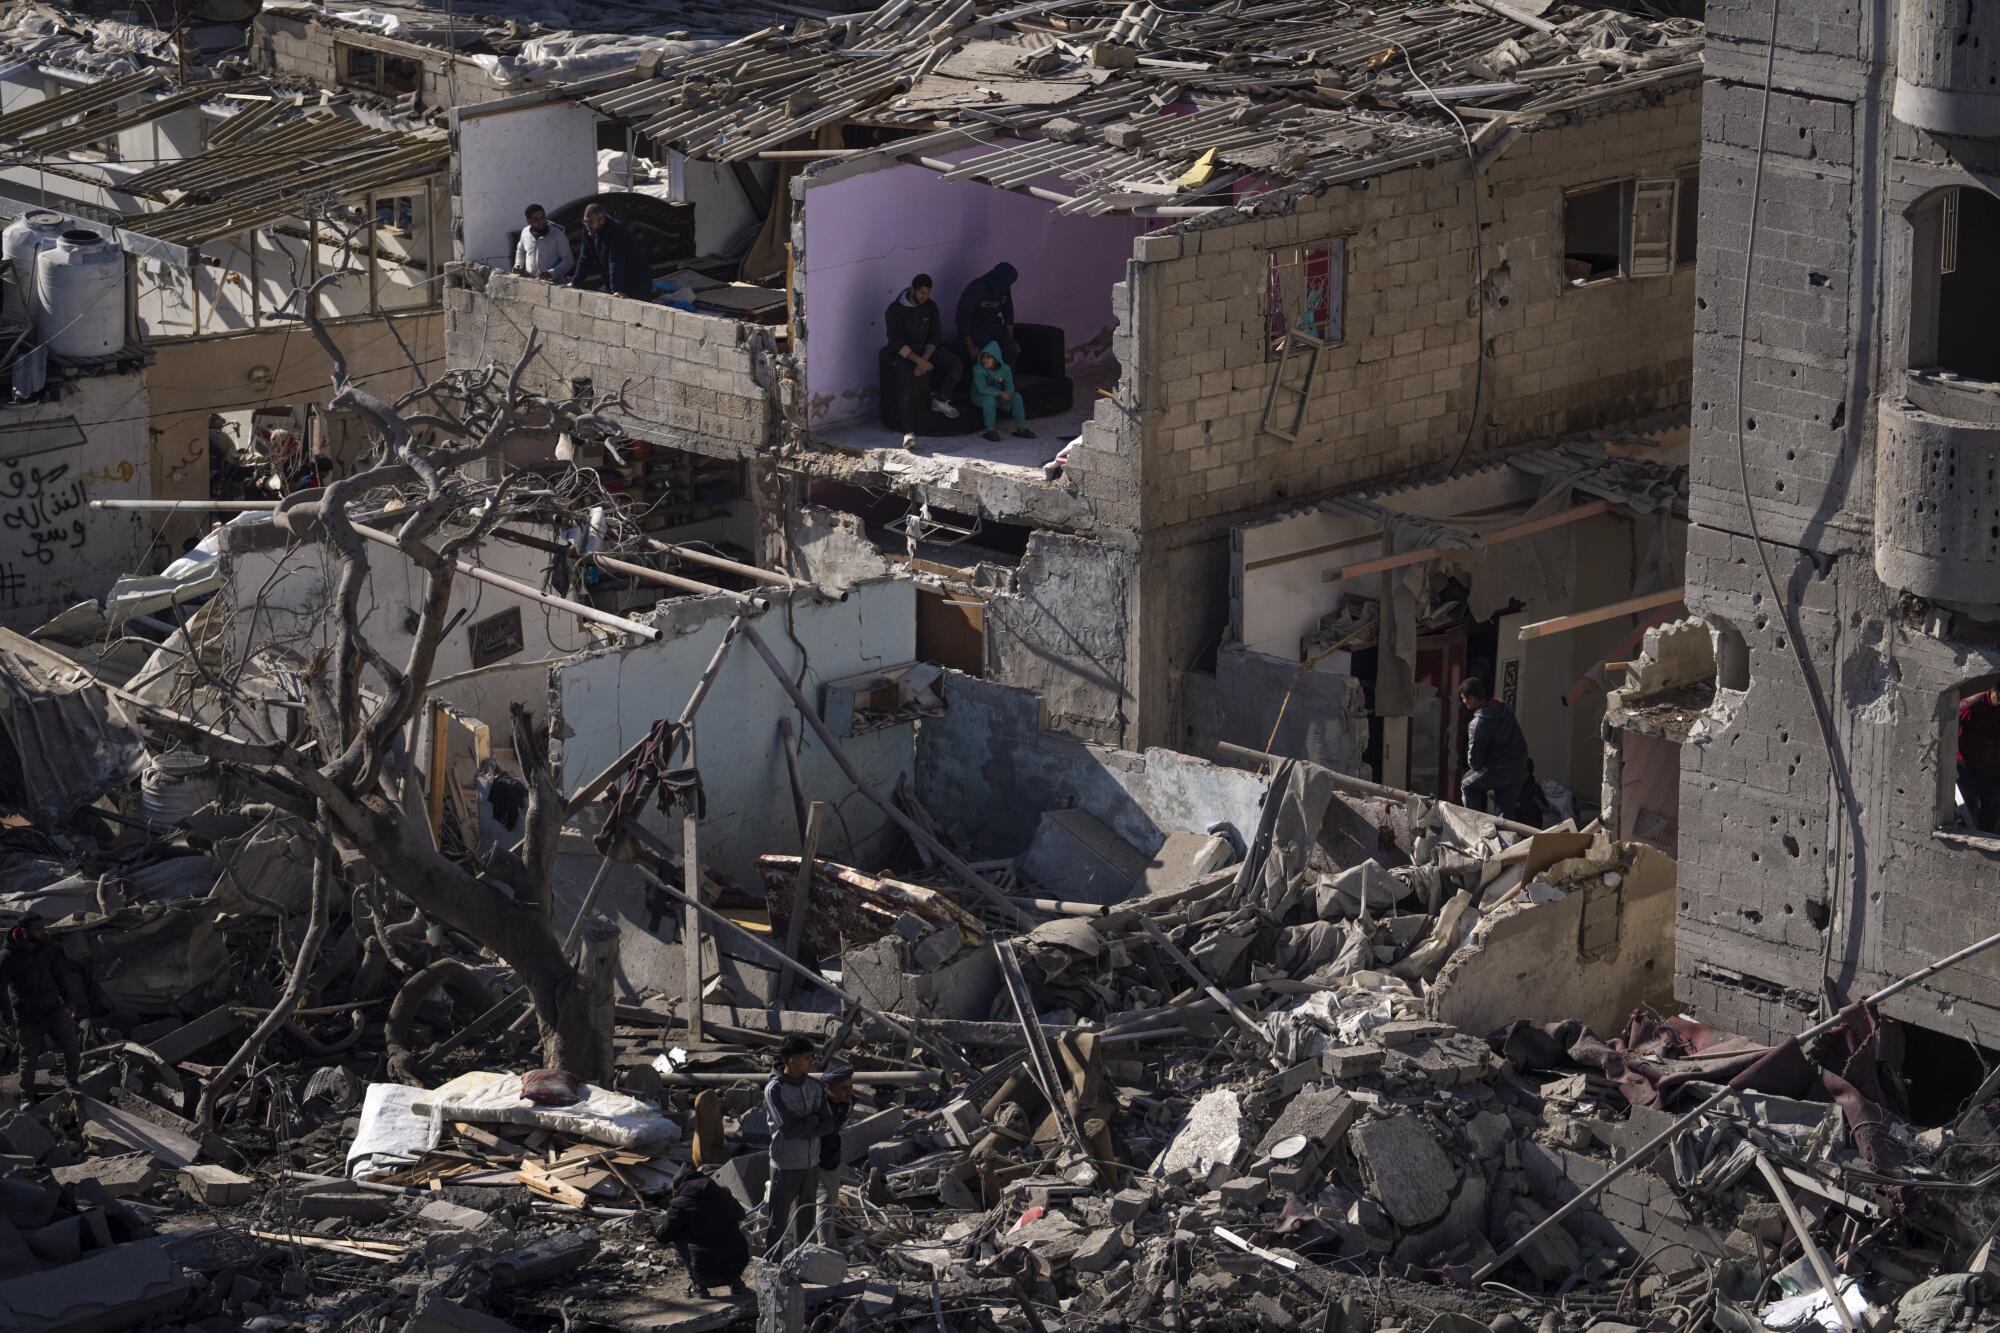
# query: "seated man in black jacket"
(39, 987)
(610, 258)
(921, 358)
(704, 1224)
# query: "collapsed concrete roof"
(1129, 107)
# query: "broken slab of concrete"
(1212, 1136)
(110, 1289)
(886, 976)
(1322, 1118)
(121, 1177)
(1404, 1168)
(215, 1186)
(1077, 853)
(143, 1133)
(441, 1316)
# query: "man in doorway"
(1979, 758)
(986, 314)
(543, 250)
(611, 259)
(1496, 753)
(915, 335)
(800, 1112)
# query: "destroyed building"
(451, 784)
(1347, 289)
(1841, 549)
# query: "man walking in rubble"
(1496, 753)
(37, 985)
(838, 1080)
(800, 1112)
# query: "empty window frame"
(1955, 283)
(1306, 293)
(1642, 228)
(377, 71)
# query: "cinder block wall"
(1397, 395)
(690, 381)
(1778, 870)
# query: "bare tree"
(421, 477)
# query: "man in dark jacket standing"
(1496, 753)
(37, 985)
(915, 336)
(704, 1224)
(838, 1080)
(986, 314)
(610, 259)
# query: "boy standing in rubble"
(37, 985)
(800, 1112)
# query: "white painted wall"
(295, 589)
(545, 154)
(1283, 604)
(723, 217)
(89, 444)
(609, 700)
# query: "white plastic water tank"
(80, 294)
(26, 237)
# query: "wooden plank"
(1578, 619)
(1479, 542)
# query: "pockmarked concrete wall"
(1800, 874)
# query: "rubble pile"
(1215, 1087)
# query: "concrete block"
(1351, 1061)
(1405, 1169)
(1322, 1118)
(120, 1177)
(1130, 1205)
(353, 1205)
(215, 1186)
(1214, 1135)
(1245, 1191)
(1099, 1251)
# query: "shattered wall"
(280, 595)
(1064, 633)
(294, 45)
(87, 442)
(694, 382)
(608, 699)
(1794, 852)
(990, 742)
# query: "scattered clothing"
(1496, 759)
(545, 255)
(1979, 760)
(986, 312)
(611, 260)
(704, 1224)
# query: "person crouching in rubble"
(1496, 753)
(800, 1113)
(704, 1224)
(38, 983)
(838, 1080)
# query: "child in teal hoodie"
(993, 385)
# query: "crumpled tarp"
(603, 1116)
(62, 743)
(391, 1134)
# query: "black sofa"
(1041, 378)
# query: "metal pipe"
(648, 574)
(881, 1078)
(1644, 1153)
(521, 589)
(185, 506)
(769, 576)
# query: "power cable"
(1842, 915)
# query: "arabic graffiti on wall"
(41, 519)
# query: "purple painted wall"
(867, 234)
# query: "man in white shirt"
(543, 250)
